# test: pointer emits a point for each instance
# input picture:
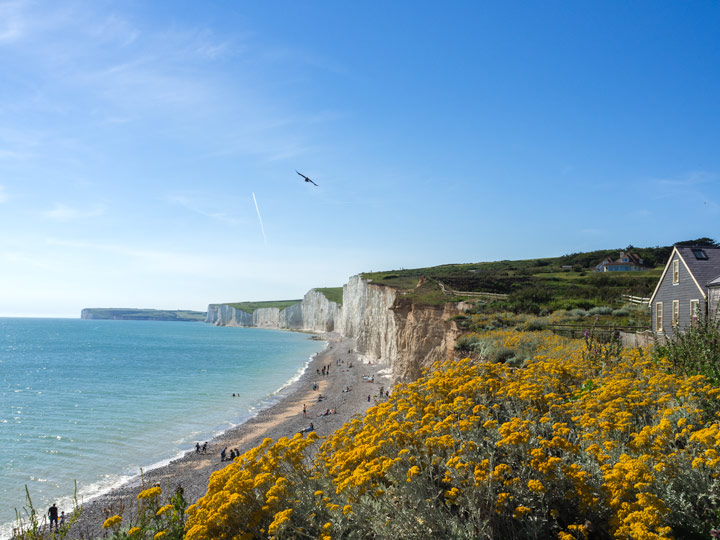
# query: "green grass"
(334, 294)
(532, 285)
(249, 307)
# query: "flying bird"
(306, 178)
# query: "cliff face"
(367, 316)
(424, 335)
(224, 315)
(388, 329)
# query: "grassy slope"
(540, 282)
(334, 294)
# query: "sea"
(92, 402)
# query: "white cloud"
(691, 178)
(62, 212)
(196, 207)
(11, 21)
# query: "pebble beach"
(284, 419)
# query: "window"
(700, 254)
(659, 317)
(694, 310)
(676, 312)
(624, 259)
(676, 272)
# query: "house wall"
(714, 303)
(684, 291)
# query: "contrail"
(260, 218)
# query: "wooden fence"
(472, 294)
(636, 299)
(602, 333)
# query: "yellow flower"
(521, 511)
(347, 509)
(111, 521)
(412, 471)
(150, 492)
(164, 509)
(536, 486)
(133, 531)
(159, 535)
(280, 518)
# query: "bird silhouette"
(306, 178)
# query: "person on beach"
(62, 518)
(304, 411)
(204, 448)
(197, 447)
(224, 451)
(53, 516)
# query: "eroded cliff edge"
(388, 328)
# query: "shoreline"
(282, 418)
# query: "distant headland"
(134, 314)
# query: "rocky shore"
(285, 418)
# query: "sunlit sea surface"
(94, 401)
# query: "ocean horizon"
(96, 401)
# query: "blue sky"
(133, 136)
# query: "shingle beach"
(285, 418)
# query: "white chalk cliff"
(388, 329)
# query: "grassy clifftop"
(531, 285)
(334, 294)
(249, 307)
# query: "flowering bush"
(566, 446)
(151, 520)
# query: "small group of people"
(369, 378)
(224, 456)
(328, 412)
(324, 372)
(54, 518)
(201, 449)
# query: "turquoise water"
(94, 401)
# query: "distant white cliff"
(389, 330)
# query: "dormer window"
(700, 254)
(624, 259)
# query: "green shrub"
(500, 355)
(694, 351)
(600, 310)
(622, 312)
(535, 324)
